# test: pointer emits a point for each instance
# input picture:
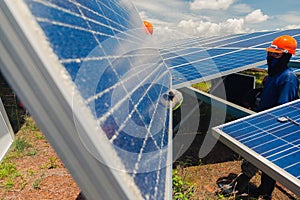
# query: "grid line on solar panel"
(274, 145)
(72, 24)
(87, 21)
(117, 106)
(130, 76)
(211, 53)
(260, 121)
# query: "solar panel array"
(201, 59)
(270, 140)
(109, 58)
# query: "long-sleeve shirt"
(279, 89)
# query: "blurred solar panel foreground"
(6, 132)
(270, 140)
(87, 73)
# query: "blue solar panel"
(198, 59)
(271, 140)
(104, 49)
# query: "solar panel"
(93, 83)
(6, 132)
(195, 60)
(270, 140)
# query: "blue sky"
(180, 18)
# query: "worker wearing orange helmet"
(281, 86)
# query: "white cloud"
(241, 8)
(233, 26)
(256, 17)
(188, 26)
(290, 17)
(211, 4)
(201, 28)
(295, 26)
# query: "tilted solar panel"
(198, 59)
(270, 140)
(6, 132)
(97, 61)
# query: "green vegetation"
(203, 86)
(10, 175)
(8, 172)
(182, 190)
(20, 144)
(259, 76)
(37, 183)
(29, 124)
(52, 164)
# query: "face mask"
(277, 65)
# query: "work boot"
(236, 187)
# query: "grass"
(8, 174)
(20, 144)
(37, 184)
(20, 148)
(182, 189)
(203, 86)
(52, 163)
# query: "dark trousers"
(267, 184)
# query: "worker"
(280, 86)
(148, 27)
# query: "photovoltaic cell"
(270, 140)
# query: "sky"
(190, 18)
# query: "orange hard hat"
(283, 44)
(148, 27)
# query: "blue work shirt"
(279, 89)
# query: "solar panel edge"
(13, 11)
(258, 113)
(265, 165)
(272, 169)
